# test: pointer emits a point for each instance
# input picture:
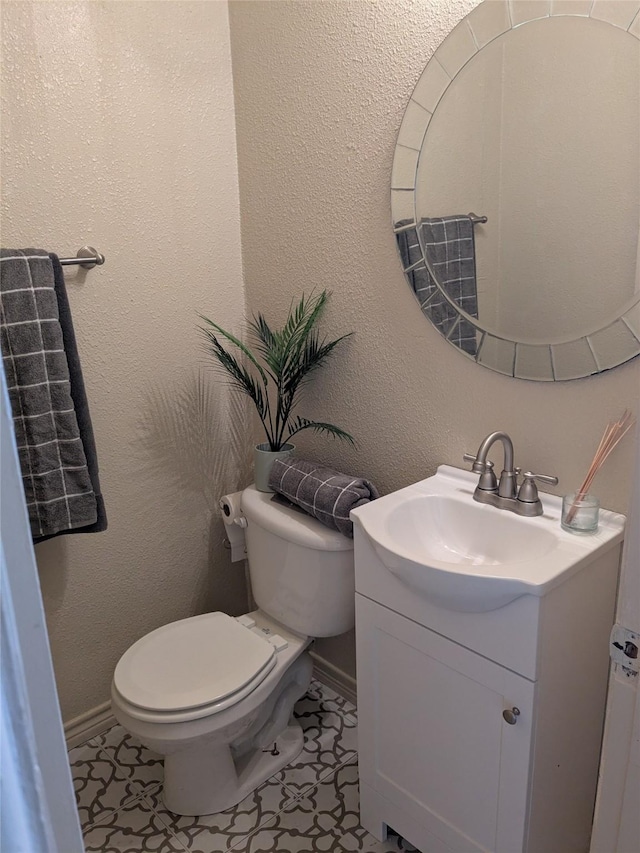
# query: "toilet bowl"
(214, 694)
(204, 743)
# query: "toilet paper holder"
(235, 523)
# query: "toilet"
(214, 694)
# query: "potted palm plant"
(289, 357)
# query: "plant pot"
(263, 459)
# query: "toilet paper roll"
(234, 522)
(231, 507)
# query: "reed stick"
(612, 436)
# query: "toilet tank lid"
(291, 523)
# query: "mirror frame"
(596, 351)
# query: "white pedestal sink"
(472, 557)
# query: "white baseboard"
(329, 674)
(85, 726)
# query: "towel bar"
(477, 220)
(87, 257)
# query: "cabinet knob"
(510, 715)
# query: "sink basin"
(473, 557)
(448, 530)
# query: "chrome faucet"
(504, 494)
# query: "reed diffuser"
(613, 435)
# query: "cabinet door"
(432, 737)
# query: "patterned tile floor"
(311, 805)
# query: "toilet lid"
(192, 662)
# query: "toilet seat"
(194, 667)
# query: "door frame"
(39, 804)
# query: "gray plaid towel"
(325, 494)
(56, 480)
(448, 243)
(449, 246)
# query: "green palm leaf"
(232, 338)
(240, 377)
(290, 356)
(298, 424)
(311, 357)
(267, 344)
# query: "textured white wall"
(320, 92)
(118, 131)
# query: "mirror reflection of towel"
(449, 246)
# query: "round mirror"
(516, 187)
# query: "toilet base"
(207, 780)
(213, 761)
(210, 776)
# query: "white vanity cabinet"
(444, 758)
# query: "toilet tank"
(302, 573)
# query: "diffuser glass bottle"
(580, 510)
(580, 513)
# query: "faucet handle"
(483, 466)
(487, 481)
(528, 490)
(541, 478)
